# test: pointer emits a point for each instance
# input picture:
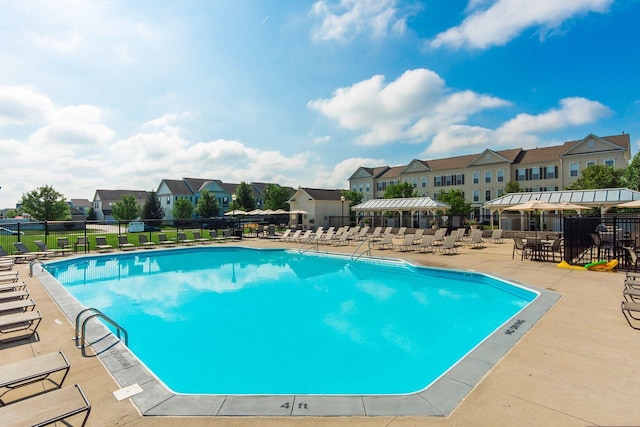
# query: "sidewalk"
(577, 366)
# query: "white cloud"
(21, 105)
(506, 19)
(412, 108)
(347, 19)
(521, 131)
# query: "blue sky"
(120, 94)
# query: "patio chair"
(16, 257)
(48, 408)
(519, 247)
(15, 286)
(144, 242)
(48, 371)
(555, 248)
(44, 248)
(285, 235)
(376, 234)
(19, 326)
(417, 236)
(7, 263)
(438, 236)
(8, 276)
(342, 240)
(476, 240)
(63, 243)
(449, 246)
(401, 232)
(124, 245)
(13, 295)
(101, 244)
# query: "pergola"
(604, 199)
(413, 204)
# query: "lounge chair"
(124, 245)
(633, 259)
(182, 239)
(10, 287)
(47, 408)
(407, 243)
(101, 244)
(58, 251)
(143, 242)
(327, 237)
(22, 250)
(496, 236)
(17, 306)
(438, 236)
(376, 234)
(162, 238)
(63, 243)
(401, 232)
(19, 326)
(16, 257)
(8, 276)
(449, 245)
(303, 238)
(631, 310)
(81, 242)
(631, 294)
(284, 235)
(13, 295)
(476, 239)
(7, 263)
(417, 236)
(44, 370)
(198, 238)
(362, 234)
(343, 239)
(385, 243)
(426, 244)
(293, 237)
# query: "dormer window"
(591, 143)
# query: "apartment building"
(482, 176)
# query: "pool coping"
(441, 398)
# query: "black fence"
(600, 238)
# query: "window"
(500, 176)
(521, 174)
(476, 196)
(361, 188)
(591, 143)
(610, 162)
(459, 179)
(447, 180)
(535, 173)
(591, 163)
(487, 177)
(487, 195)
(368, 187)
(500, 192)
(487, 156)
(551, 172)
(415, 183)
(424, 182)
(437, 181)
(168, 200)
(573, 169)
(476, 178)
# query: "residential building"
(482, 176)
(103, 201)
(324, 208)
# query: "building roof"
(401, 204)
(604, 198)
(104, 195)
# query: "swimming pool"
(276, 322)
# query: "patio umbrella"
(281, 212)
(298, 211)
(257, 212)
(533, 206)
(236, 212)
(631, 204)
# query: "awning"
(401, 204)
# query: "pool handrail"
(80, 338)
(355, 255)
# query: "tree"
(598, 176)
(631, 175)
(400, 190)
(45, 204)
(455, 199)
(207, 206)
(276, 197)
(152, 209)
(182, 209)
(126, 209)
(354, 198)
(244, 197)
(91, 215)
(512, 187)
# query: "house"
(103, 201)
(81, 205)
(482, 176)
(318, 207)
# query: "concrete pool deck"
(576, 366)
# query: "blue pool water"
(244, 321)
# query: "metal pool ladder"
(366, 251)
(80, 333)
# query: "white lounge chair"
(449, 245)
(19, 326)
(407, 243)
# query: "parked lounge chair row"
(31, 390)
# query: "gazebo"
(412, 204)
